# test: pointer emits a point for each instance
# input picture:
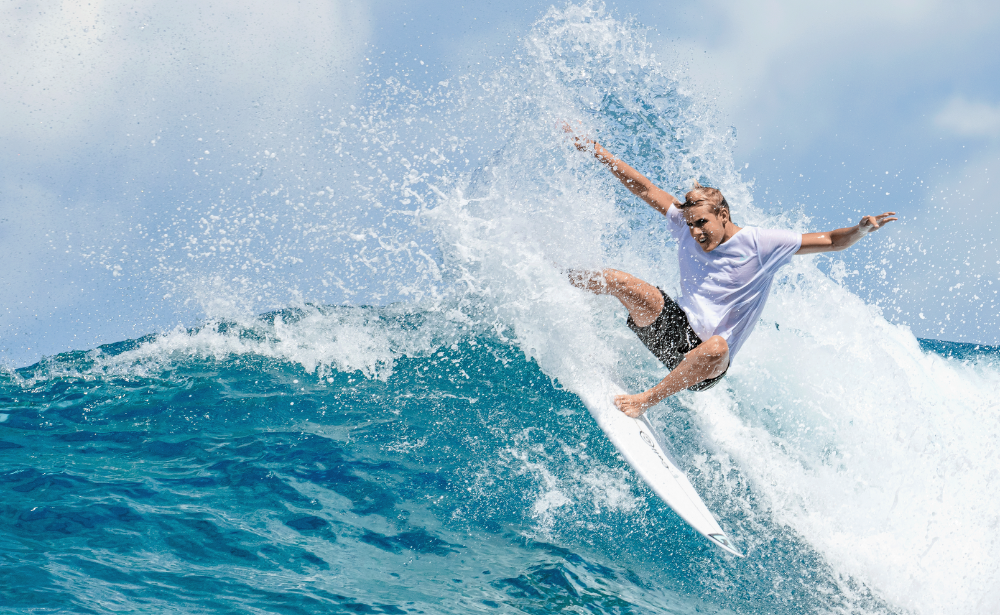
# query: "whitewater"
(378, 408)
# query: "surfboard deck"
(644, 450)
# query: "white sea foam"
(873, 451)
(345, 339)
(570, 486)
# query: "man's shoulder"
(756, 239)
(676, 218)
(777, 242)
(779, 234)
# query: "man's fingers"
(569, 127)
(880, 216)
(581, 142)
(882, 222)
(874, 223)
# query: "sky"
(840, 109)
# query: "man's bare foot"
(632, 405)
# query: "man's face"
(706, 227)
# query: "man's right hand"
(637, 183)
(581, 143)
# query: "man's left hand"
(870, 224)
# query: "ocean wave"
(429, 451)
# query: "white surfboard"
(637, 441)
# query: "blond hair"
(700, 195)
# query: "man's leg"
(708, 360)
(644, 303)
(642, 300)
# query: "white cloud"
(73, 69)
(792, 63)
(967, 118)
(86, 88)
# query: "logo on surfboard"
(649, 440)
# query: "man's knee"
(614, 280)
(715, 352)
(716, 346)
(601, 281)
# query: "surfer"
(726, 273)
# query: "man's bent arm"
(843, 238)
(637, 183)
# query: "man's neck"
(731, 229)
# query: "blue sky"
(839, 109)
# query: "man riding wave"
(726, 273)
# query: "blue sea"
(374, 405)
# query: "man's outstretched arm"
(843, 238)
(637, 183)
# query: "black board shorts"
(670, 337)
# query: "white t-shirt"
(723, 291)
